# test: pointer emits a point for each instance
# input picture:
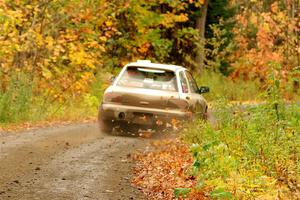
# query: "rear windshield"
(148, 78)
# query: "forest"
(57, 58)
(56, 55)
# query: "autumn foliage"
(264, 36)
(62, 44)
(52, 51)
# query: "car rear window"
(148, 78)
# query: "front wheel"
(201, 113)
(205, 114)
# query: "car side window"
(192, 83)
(183, 82)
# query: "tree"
(200, 25)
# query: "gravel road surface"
(68, 162)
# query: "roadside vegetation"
(19, 104)
(252, 153)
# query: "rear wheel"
(106, 126)
(128, 128)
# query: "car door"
(197, 101)
(184, 89)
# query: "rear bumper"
(134, 113)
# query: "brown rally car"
(151, 95)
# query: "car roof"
(148, 63)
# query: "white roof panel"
(147, 63)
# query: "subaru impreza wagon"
(151, 95)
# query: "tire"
(128, 128)
(106, 126)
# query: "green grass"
(253, 152)
(19, 103)
(240, 90)
(16, 101)
(223, 87)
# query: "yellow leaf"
(253, 19)
(266, 27)
(109, 23)
(103, 38)
(49, 41)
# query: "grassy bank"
(253, 153)
(223, 87)
(241, 90)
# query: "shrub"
(16, 100)
(254, 151)
(250, 154)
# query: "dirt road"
(70, 162)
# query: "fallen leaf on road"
(159, 172)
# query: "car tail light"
(117, 99)
(112, 97)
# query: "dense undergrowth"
(252, 153)
(21, 102)
(222, 87)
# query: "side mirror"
(203, 89)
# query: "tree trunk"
(201, 21)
